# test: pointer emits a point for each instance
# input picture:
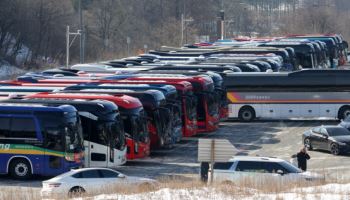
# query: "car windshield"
(290, 168)
(337, 131)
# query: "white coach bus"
(301, 94)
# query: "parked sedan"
(335, 139)
(259, 170)
(89, 181)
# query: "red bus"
(203, 87)
(132, 113)
(185, 96)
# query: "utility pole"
(82, 36)
(69, 43)
(184, 28)
(128, 41)
(222, 18)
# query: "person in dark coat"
(204, 171)
(302, 158)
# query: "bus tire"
(76, 191)
(344, 111)
(246, 114)
(20, 169)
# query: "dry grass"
(245, 188)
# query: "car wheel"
(307, 144)
(246, 114)
(76, 192)
(335, 149)
(20, 169)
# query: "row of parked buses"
(103, 114)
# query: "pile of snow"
(7, 70)
(325, 192)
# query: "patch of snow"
(170, 194)
(324, 192)
(7, 70)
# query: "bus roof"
(100, 108)
(35, 107)
(148, 98)
(299, 78)
(121, 100)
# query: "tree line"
(32, 32)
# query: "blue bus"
(39, 140)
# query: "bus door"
(96, 141)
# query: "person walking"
(302, 158)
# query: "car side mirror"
(121, 176)
(280, 172)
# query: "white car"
(260, 169)
(89, 181)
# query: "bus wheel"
(246, 114)
(20, 169)
(343, 112)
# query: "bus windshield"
(73, 133)
(191, 107)
(135, 124)
(116, 132)
(213, 104)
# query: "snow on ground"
(7, 70)
(325, 192)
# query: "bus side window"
(4, 126)
(23, 128)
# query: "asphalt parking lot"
(265, 138)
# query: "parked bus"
(184, 95)
(302, 94)
(220, 92)
(332, 47)
(169, 92)
(184, 89)
(132, 114)
(305, 52)
(102, 127)
(39, 140)
(158, 116)
(203, 88)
